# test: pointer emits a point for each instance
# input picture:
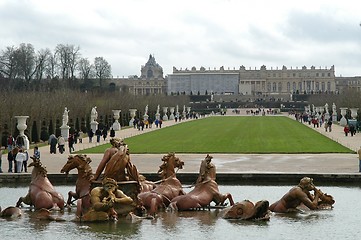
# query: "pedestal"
(94, 126)
(65, 131)
(334, 117)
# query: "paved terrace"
(245, 165)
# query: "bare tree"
(51, 66)
(85, 69)
(67, 56)
(8, 63)
(25, 57)
(41, 60)
(102, 69)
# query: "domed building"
(150, 82)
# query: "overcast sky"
(187, 33)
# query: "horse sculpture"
(117, 165)
(41, 192)
(246, 210)
(11, 212)
(205, 190)
(83, 182)
(120, 168)
(169, 188)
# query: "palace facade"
(252, 81)
(242, 81)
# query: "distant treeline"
(22, 67)
(45, 109)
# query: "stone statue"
(146, 109)
(326, 108)
(94, 114)
(158, 109)
(334, 111)
(65, 116)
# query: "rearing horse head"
(38, 167)
(77, 161)
(170, 162)
(207, 170)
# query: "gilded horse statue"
(204, 192)
(120, 168)
(42, 193)
(11, 212)
(116, 165)
(169, 188)
(83, 182)
(246, 210)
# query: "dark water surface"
(340, 223)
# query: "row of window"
(279, 75)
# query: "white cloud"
(208, 33)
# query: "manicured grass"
(267, 134)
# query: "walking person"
(20, 159)
(346, 130)
(52, 142)
(90, 135)
(98, 134)
(11, 160)
(25, 162)
(352, 130)
(329, 124)
(10, 142)
(112, 133)
(105, 133)
(61, 144)
(71, 143)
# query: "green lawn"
(233, 135)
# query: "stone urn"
(343, 120)
(354, 112)
(21, 126)
(165, 116)
(171, 110)
(116, 116)
(132, 112)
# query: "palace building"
(150, 82)
(247, 82)
(252, 81)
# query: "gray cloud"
(209, 34)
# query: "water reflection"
(339, 223)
